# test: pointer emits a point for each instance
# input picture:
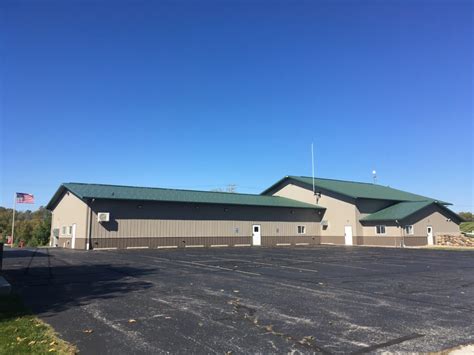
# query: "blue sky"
(200, 94)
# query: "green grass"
(467, 227)
(23, 333)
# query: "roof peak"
(356, 189)
(87, 191)
(160, 188)
(328, 179)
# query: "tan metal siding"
(187, 228)
(154, 224)
(435, 217)
(69, 210)
(340, 212)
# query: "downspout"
(90, 225)
(402, 237)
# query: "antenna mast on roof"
(374, 176)
(312, 165)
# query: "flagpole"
(13, 219)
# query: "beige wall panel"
(365, 207)
(68, 211)
(435, 217)
(390, 231)
(156, 224)
(186, 228)
(339, 211)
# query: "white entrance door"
(429, 232)
(256, 238)
(73, 241)
(348, 235)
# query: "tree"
(467, 216)
(33, 227)
(42, 231)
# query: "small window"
(255, 229)
(301, 229)
(380, 229)
(236, 230)
(63, 230)
(70, 230)
(409, 230)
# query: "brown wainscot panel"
(327, 239)
(415, 241)
(157, 242)
(64, 242)
(392, 241)
(299, 240)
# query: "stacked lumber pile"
(455, 240)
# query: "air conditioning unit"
(103, 217)
(324, 223)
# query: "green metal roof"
(115, 192)
(398, 211)
(357, 189)
(403, 210)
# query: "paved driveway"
(246, 300)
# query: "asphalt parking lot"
(324, 299)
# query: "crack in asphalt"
(249, 314)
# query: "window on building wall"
(63, 231)
(409, 230)
(70, 230)
(380, 229)
(301, 229)
(236, 230)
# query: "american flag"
(24, 198)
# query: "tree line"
(467, 216)
(33, 228)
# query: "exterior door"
(429, 232)
(256, 237)
(73, 240)
(348, 235)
